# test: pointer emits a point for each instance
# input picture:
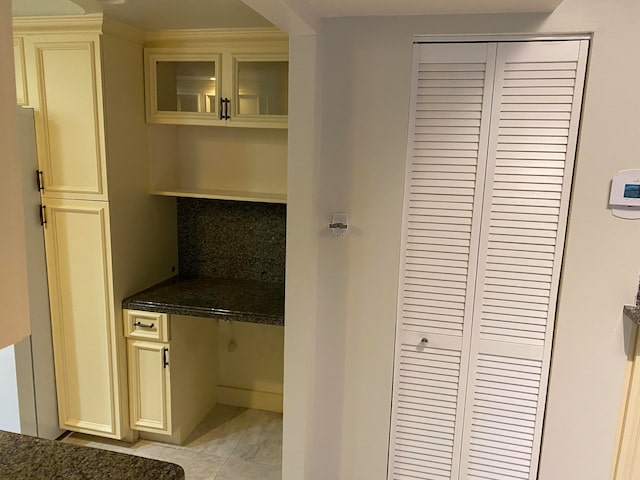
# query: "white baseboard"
(239, 397)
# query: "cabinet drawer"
(146, 325)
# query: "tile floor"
(231, 443)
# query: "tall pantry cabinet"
(490, 159)
(105, 236)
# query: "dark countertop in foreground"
(241, 300)
(30, 458)
(633, 312)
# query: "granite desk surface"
(241, 300)
(29, 458)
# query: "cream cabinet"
(149, 379)
(172, 365)
(84, 79)
(82, 313)
(65, 88)
(224, 84)
(197, 83)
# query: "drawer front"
(146, 325)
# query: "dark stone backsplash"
(239, 240)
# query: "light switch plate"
(339, 224)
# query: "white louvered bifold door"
(534, 127)
(443, 200)
(492, 138)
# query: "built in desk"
(222, 298)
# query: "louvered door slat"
(535, 114)
(531, 106)
(509, 250)
(447, 156)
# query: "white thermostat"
(625, 194)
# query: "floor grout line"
(220, 469)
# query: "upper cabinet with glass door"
(241, 83)
(182, 88)
(260, 89)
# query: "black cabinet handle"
(165, 363)
(43, 215)
(39, 180)
(224, 109)
(144, 325)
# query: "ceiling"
(153, 15)
(167, 14)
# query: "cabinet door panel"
(149, 386)
(82, 316)
(183, 88)
(260, 86)
(70, 118)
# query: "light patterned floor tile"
(262, 442)
(231, 443)
(221, 437)
(197, 466)
(235, 469)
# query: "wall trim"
(518, 37)
(241, 397)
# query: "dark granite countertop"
(633, 312)
(241, 300)
(30, 458)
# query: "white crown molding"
(215, 35)
(90, 23)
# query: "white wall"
(250, 365)
(303, 225)
(366, 67)
(9, 404)
(14, 308)
(238, 159)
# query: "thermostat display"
(632, 190)
(625, 194)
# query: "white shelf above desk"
(222, 195)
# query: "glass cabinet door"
(186, 86)
(261, 88)
(183, 87)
